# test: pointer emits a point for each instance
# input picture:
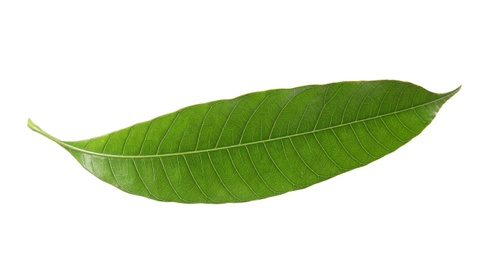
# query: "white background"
(80, 69)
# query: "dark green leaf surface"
(260, 144)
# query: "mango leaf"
(260, 144)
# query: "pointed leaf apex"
(452, 93)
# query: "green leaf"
(260, 144)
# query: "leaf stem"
(37, 129)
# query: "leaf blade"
(260, 144)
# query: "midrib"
(241, 144)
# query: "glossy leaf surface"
(261, 144)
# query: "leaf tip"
(446, 96)
(452, 93)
